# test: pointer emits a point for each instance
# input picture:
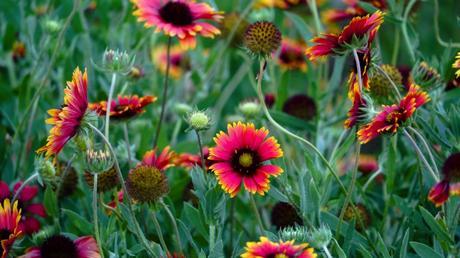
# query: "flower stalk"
(109, 104)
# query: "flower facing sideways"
(240, 156)
(450, 184)
(124, 107)
(178, 18)
(266, 249)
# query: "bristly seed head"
(146, 183)
(262, 39)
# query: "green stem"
(404, 29)
(96, 221)
(159, 232)
(256, 212)
(425, 144)
(174, 223)
(165, 92)
(421, 156)
(23, 185)
(394, 57)
(203, 164)
(137, 227)
(128, 145)
(436, 29)
(389, 79)
(109, 105)
(358, 69)
(314, 10)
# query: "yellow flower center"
(281, 256)
(245, 160)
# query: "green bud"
(98, 161)
(199, 120)
(46, 170)
(320, 237)
(250, 109)
(52, 26)
(117, 61)
(299, 234)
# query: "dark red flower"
(28, 224)
(450, 184)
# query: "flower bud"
(46, 170)
(199, 120)
(320, 237)
(146, 183)
(250, 109)
(117, 61)
(98, 161)
(299, 234)
(52, 26)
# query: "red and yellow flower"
(392, 117)
(351, 10)
(179, 62)
(282, 4)
(450, 184)
(266, 248)
(124, 107)
(359, 28)
(356, 113)
(28, 223)
(162, 161)
(9, 225)
(456, 65)
(291, 55)
(66, 120)
(178, 18)
(240, 156)
(63, 246)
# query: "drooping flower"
(28, 223)
(183, 19)
(392, 117)
(147, 182)
(362, 29)
(356, 112)
(450, 184)
(125, 107)
(456, 65)
(285, 215)
(267, 249)
(61, 246)
(240, 157)
(66, 121)
(10, 216)
(301, 106)
(189, 160)
(179, 62)
(291, 55)
(262, 38)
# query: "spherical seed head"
(250, 109)
(199, 120)
(105, 181)
(380, 87)
(146, 183)
(262, 38)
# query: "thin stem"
(159, 232)
(326, 251)
(394, 57)
(420, 154)
(371, 178)
(284, 130)
(109, 105)
(174, 223)
(404, 29)
(336, 147)
(138, 229)
(436, 29)
(176, 132)
(232, 220)
(212, 237)
(351, 188)
(358, 69)
(256, 212)
(165, 92)
(314, 10)
(425, 144)
(23, 185)
(128, 145)
(96, 221)
(203, 164)
(389, 79)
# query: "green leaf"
(50, 202)
(300, 25)
(424, 251)
(405, 241)
(194, 217)
(78, 223)
(291, 121)
(438, 229)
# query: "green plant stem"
(314, 11)
(371, 178)
(358, 70)
(336, 146)
(33, 104)
(436, 29)
(128, 145)
(350, 189)
(256, 212)
(95, 217)
(212, 237)
(404, 29)
(425, 144)
(23, 185)
(326, 251)
(232, 222)
(165, 92)
(159, 232)
(394, 56)
(421, 156)
(137, 227)
(176, 132)
(284, 130)
(174, 223)
(203, 163)
(395, 88)
(109, 105)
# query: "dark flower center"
(4, 234)
(58, 246)
(245, 161)
(176, 13)
(277, 255)
(290, 56)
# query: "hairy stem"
(421, 156)
(256, 212)
(159, 232)
(425, 144)
(109, 105)
(96, 221)
(23, 185)
(128, 145)
(203, 164)
(358, 70)
(174, 223)
(404, 29)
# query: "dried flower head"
(381, 88)
(146, 183)
(262, 39)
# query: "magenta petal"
(87, 247)
(4, 190)
(36, 208)
(27, 193)
(33, 252)
(30, 225)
